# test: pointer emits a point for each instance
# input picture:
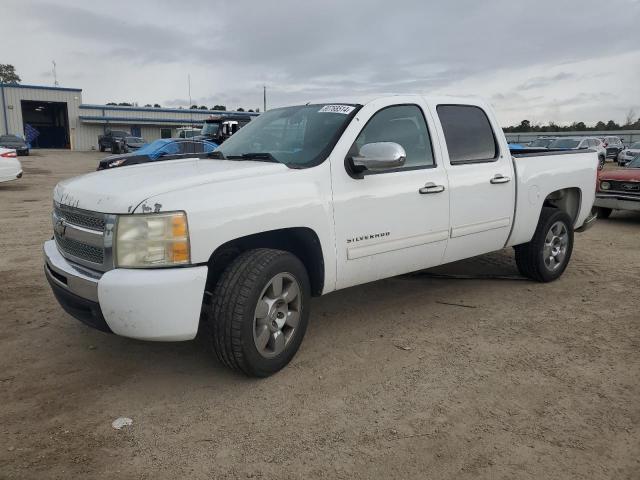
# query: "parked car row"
(158, 150)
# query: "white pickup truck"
(303, 201)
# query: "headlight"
(605, 185)
(117, 163)
(154, 240)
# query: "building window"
(165, 133)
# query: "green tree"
(193, 107)
(8, 74)
(112, 103)
(156, 105)
(125, 104)
(219, 107)
(239, 109)
(611, 125)
(202, 107)
(601, 125)
(147, 105)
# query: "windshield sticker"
(344, 109)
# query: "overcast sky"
(560, 60)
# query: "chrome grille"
(627, 187)
(83, 236)
(80, 250)
(82, 218)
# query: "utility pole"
(264, 98)
(55, 74)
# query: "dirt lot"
(523, 381)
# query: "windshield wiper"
(260, 156)
(216, 154)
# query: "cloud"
(309, 51)
(539, 82)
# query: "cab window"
(404, 125)
(468, 134)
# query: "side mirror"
(380, 156)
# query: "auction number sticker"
(344, 109)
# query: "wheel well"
(300, 241)
(567, 200)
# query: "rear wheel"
(547, 255)
(102, 149)
(603, 212)
(259, 312)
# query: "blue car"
(164, 149)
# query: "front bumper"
(147, 304)
(618, 201)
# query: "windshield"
(635, 163)
(564, 143)
(635, 146)
(210, 128)
(300, 136)
(541, 142)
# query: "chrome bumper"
(71, 277)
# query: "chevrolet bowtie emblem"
(60, 227)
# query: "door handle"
(431, 188)
(499, 178)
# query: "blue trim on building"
(88, 106)
(40, 87)
(176, 121)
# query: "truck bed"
(542, 172)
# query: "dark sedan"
(15, 143)
(159, 150)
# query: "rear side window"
(468, 134)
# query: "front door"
(392, 221)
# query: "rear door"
(481, 180)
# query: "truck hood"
(121, 190)
(622, 174)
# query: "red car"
(618, 189)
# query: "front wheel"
(259, 312)
(547, 255)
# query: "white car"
(10, 166)
(303, 201)
(628, 154)
(581, 143)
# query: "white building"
(61, 120)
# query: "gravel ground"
(393, 380)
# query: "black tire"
(601, 162)
(530, 256)
(603, 212)
(115, 148)
(228, 321)
(102, 149)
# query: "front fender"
(224, 211)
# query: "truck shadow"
(349, 314)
